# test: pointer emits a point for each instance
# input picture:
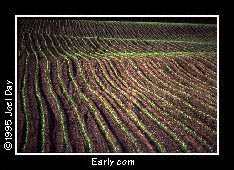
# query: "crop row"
(92, 86)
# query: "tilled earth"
(96, 86)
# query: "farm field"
(111, 86)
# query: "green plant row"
(131, 115)
(190, 105)
(184, 78)
(174, 96)
(204, 96)
(195, 78)
(121, 104)
(154, 105)
(168, 85)
(109, 108)
(23, 94)
(164, 102)
(79, 119)
(39, 100)
(92, 107)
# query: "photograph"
(136, 85)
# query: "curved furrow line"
(72, 45)
(203, 67)
(209, 129)
(20, 116)
(177, 75)
(33, 107)
(130, 94)
(142, 126)
(143, 41)
(162, 125)
(23, 95)
(169, 77)
(185, 115)
(92, 107)
(112, 142)
(176, 71)
(208, 65)
(148, 70)
(164, 104)
(136, 96)
(113, 49)
(132, 115)
(58, 108)
(204, 84)
(74, 106)
(198, 73)
(72, 120)
(145, 103)
(54, 97)
(103, 53)
(175, 97)
(80, 45)
(211, 60)
(39, 99)
(208, 116)
(117, 86)
(166, 84)
(182, 77)
(168, 45)
(111, 111)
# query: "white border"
(114, 16)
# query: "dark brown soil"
(117, 102)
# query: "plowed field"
(102, 86)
